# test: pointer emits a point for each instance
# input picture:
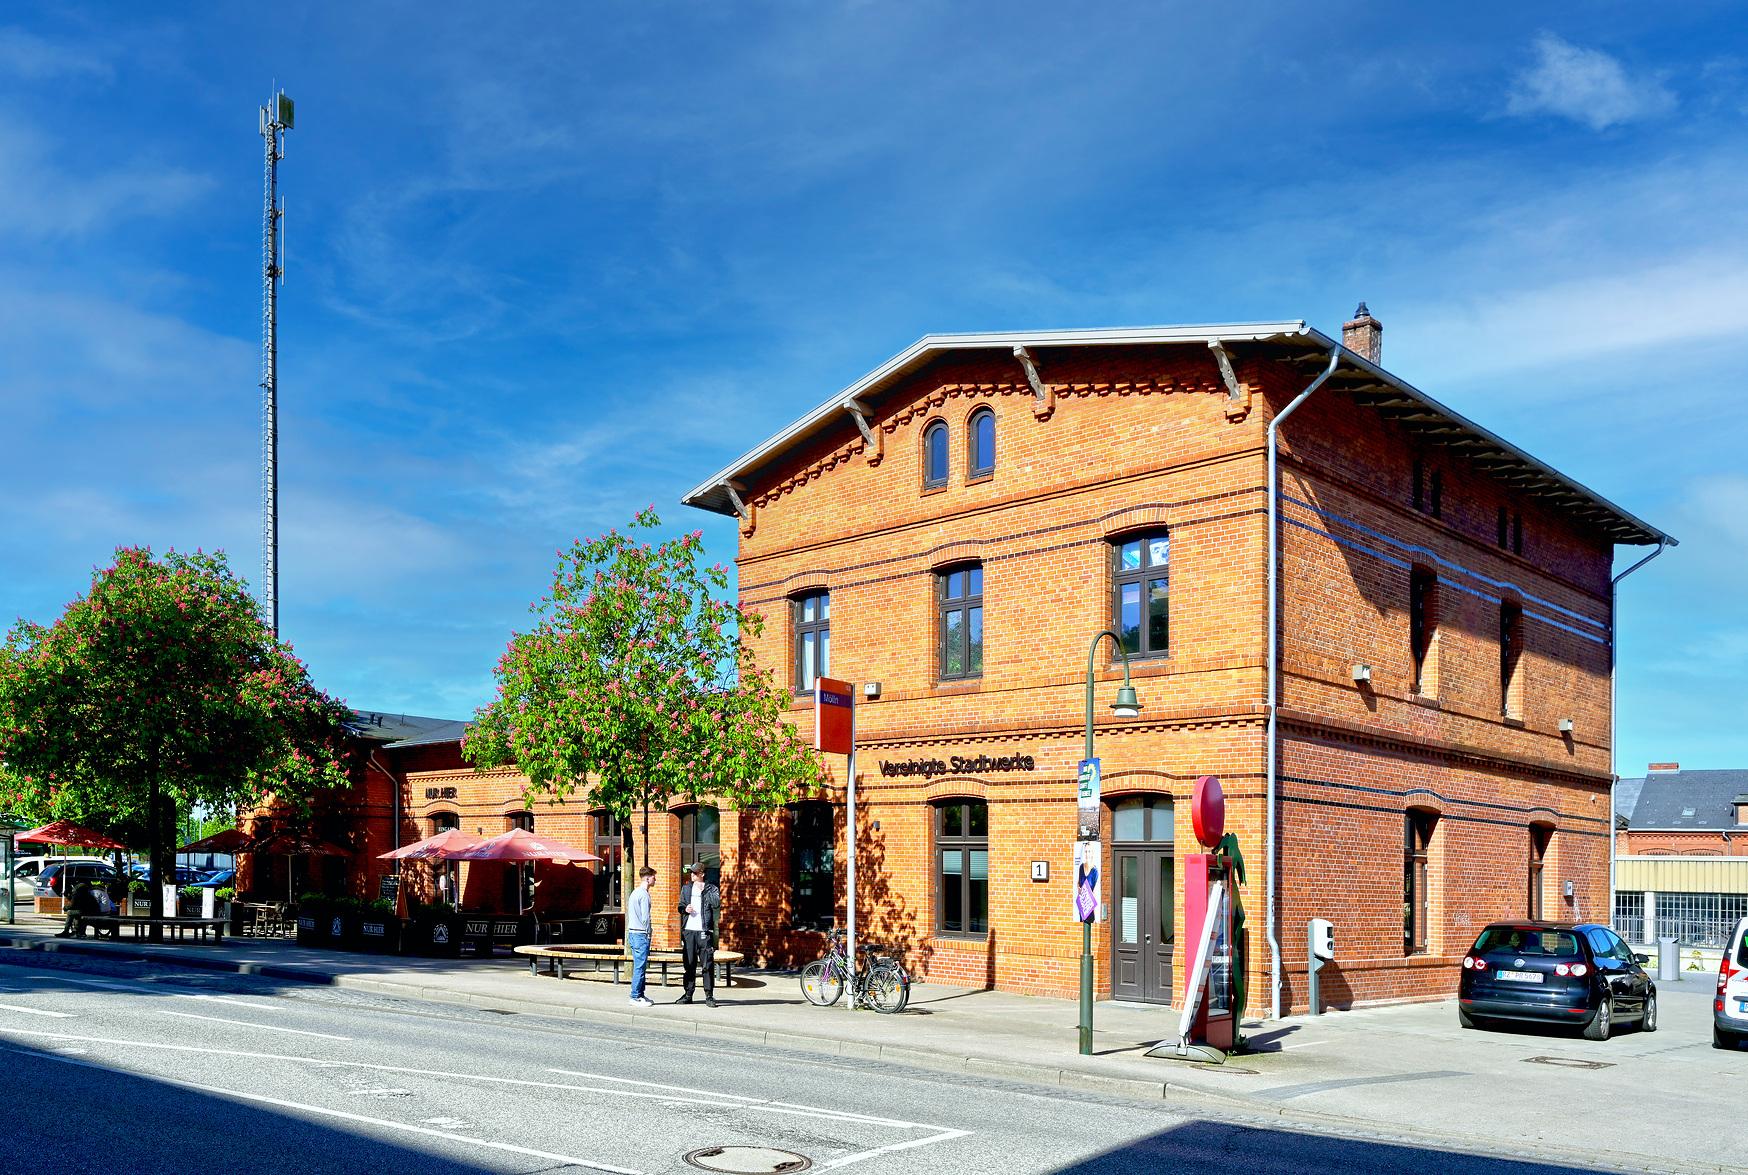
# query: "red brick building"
(953, 530)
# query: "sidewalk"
(1650, 1101)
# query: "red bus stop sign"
(1208, 810)
(833, 713)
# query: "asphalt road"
(131, 1067)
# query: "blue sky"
(549, 263)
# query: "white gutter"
(1274, 667)
(1614, 641)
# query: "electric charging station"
(1218, 961)
(1320, 940)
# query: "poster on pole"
(833, 712)
(1087, 801)
(1087, 856)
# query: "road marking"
(751, 1102)
(249, 1024)
(846, 1160)
(143, 989)
(447, 1123)
(36, 1011)
(738, 1103)
(325, 1112)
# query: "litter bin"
(1668, 960)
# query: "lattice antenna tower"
(276, 118)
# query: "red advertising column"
(1208, 882)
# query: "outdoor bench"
(114, 922)
(616, 956)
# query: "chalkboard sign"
(388, 887)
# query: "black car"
(1575, 973)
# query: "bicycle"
(880, 982)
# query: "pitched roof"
(403, 729)
(1679, 800)
(1291, 342)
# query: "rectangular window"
(813, 639)
(1416, 887)
(610, 847)
(1141, 594)
(1539, 837)
(813, 849)
(1435, 498)
(1510, 656)
(1629, 915)
(962, 881)
(1422, 626)
(959, 594)
(1419, 484)
(1517, 534)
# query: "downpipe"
(1274, 665)
(1614, 777)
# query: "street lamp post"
(1126, 706)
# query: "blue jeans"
(638, 941)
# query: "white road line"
(323, 1111)
(36, 1011)
(754, 1102)
(249, 1024)
(144, 989)
(846, 1160)
(328, 1062)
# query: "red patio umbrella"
(519, 844)
(65, 832)
(231, 840)
(441, 847)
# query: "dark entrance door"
(1144, 893)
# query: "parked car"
(185, 874)
(61, 877)
(1730, 1008)
(1581, 974)
(26, 870)
(217, 879)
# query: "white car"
(1730, 1008)
(25, 871)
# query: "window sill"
(954, 936)
(958, 685)
(1428, 700)
(940, 489)
(972, 479)
(1513, 721)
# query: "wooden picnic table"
(601, 954)
(181, 926)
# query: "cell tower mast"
(276, 119)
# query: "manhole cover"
(748, 1160)
(1569, 1063)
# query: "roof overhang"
(1292, 342)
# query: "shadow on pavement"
(1212, 1146)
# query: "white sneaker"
(635, 1002)
(646, 1001)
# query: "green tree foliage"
(637, 683)
(158, 691)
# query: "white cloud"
(26, 55)
(1587, 86)
(39, 198)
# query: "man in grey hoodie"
(637, 934)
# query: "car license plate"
(1742, 1006)
(1520, 976)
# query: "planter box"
(439, 936)
(312, 929)
(380, 934)
(138, 907)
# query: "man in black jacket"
(700, 911)
(81, 904)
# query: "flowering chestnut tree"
(160, 691)
(637, 683)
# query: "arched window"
(980, 444)
(1141, 593)
(700, 840)
(812, 861)
(813, 638)
(962, 876)
(935, 455)
(959, 610)
(444, 822)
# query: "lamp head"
(1127, 704)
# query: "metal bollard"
(1668, 960)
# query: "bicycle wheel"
(888, 988)
(821, 984)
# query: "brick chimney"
(1663, 768)
(1364, 336)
